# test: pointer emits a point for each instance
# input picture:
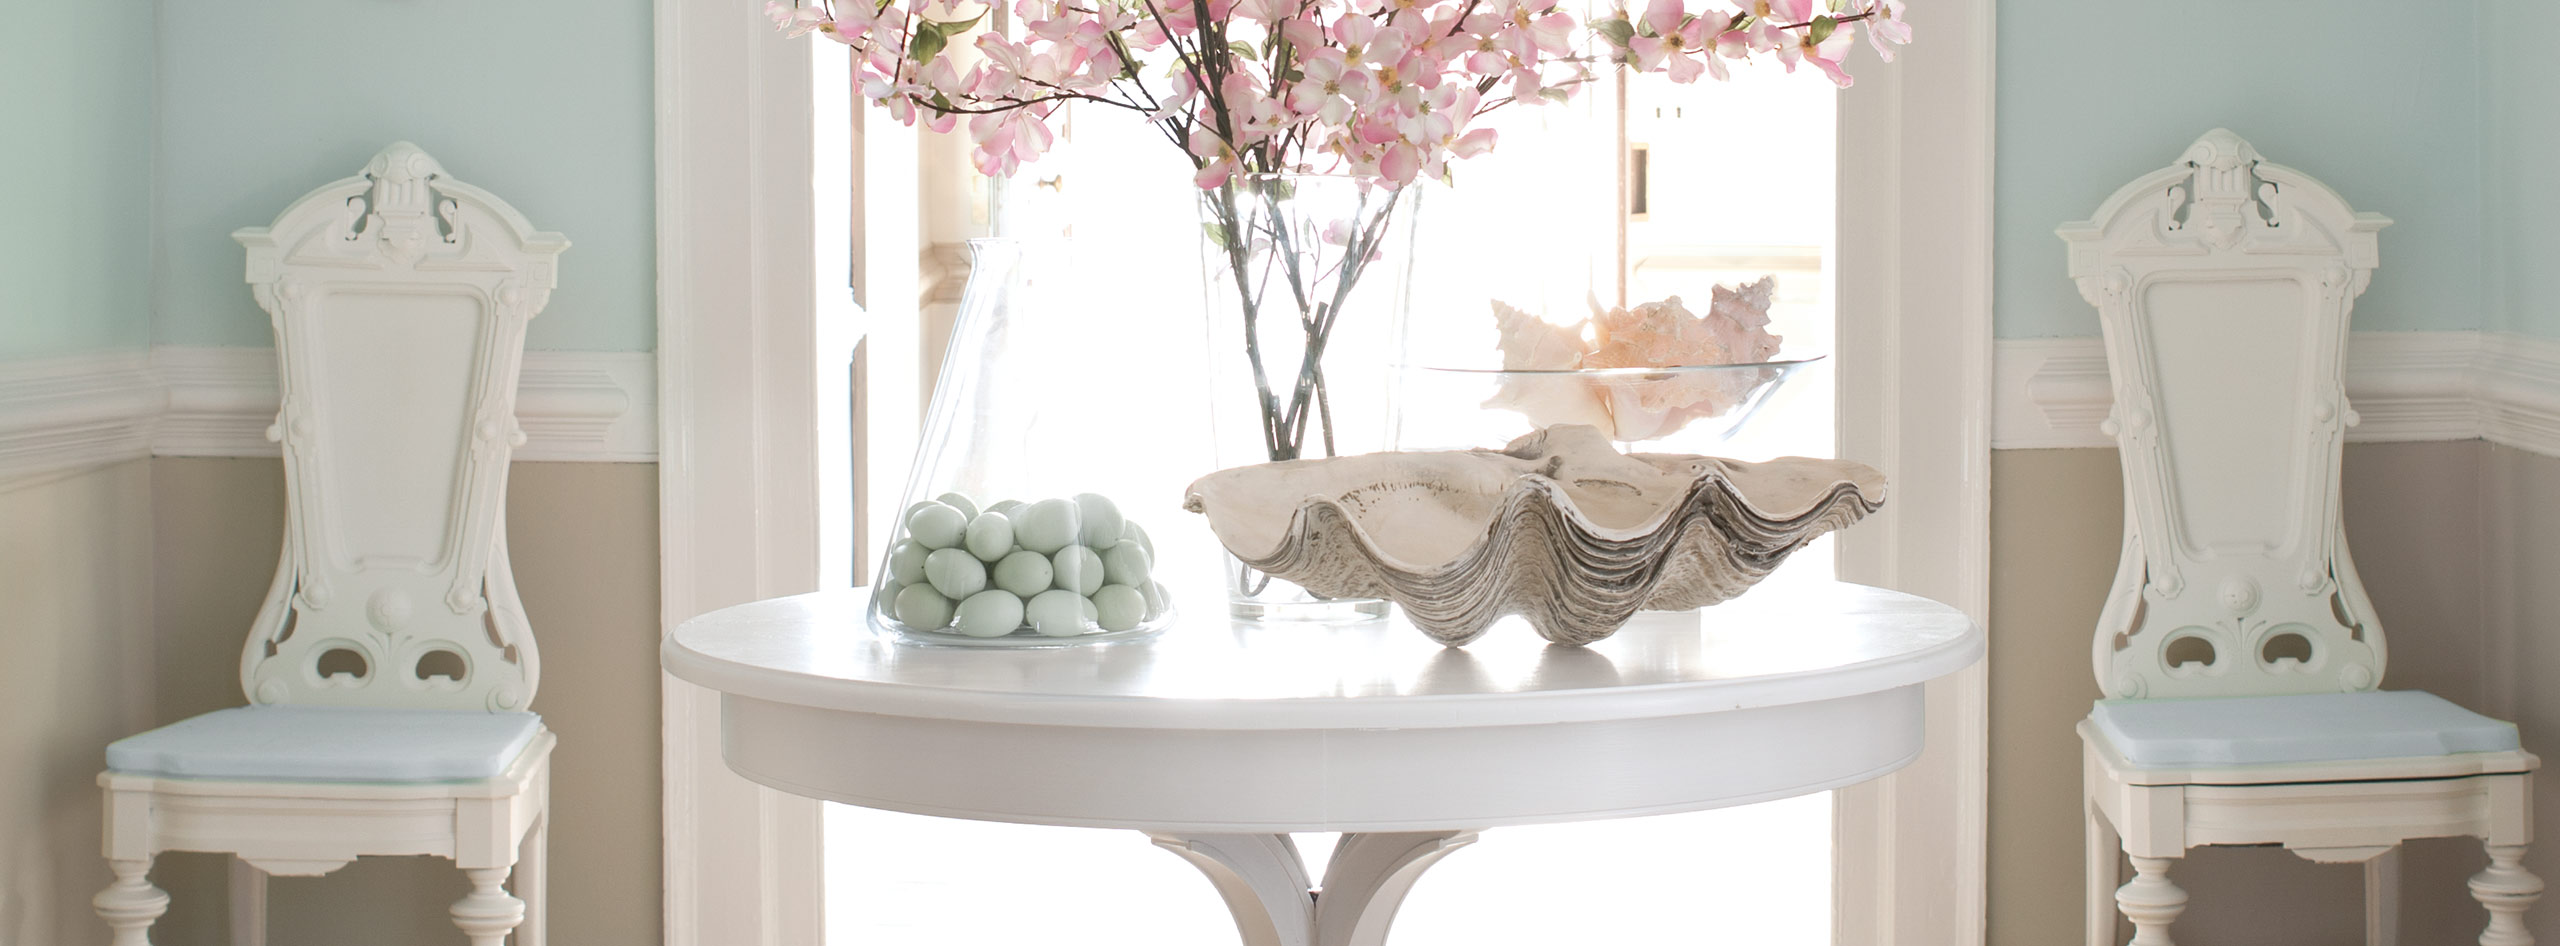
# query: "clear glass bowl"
(1029, 515)
(1676, 409)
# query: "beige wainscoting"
(584, 538)
(2522, 570)
(75, 673)
(2459, 544)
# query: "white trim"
(1914, 263)
(70, 413)
(2404, 386)
(573, 405)
(2516, 391)
(741, 475)
(76, 412)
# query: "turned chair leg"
(2507, 889)
(487, 914)
(2151, 901)
(131, 904)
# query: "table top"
(1782, 644)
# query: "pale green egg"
(1058, 613)
(1046, 526)
(920, 608)
(1025, 573)
(1159, 600)
(936, 526)
(955, 573)
(906, 561)
(960, 502)
(1130, 532)
(990, 614)
(1006, 506)
(1127, 564)
(989, 536)
(1119, 607)
(913, 508)
(1102, 521)
(1077, 569)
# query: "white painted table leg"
(1261, 877)
(2151, 901)
(1368, 878)
(248, 904)
(1266, 887)
(2507, 889)
(2382, 899)
(2101, 846)
(532, 882)
(131, 904)
(487, 914)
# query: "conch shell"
(1558, 527)
(1662, 334)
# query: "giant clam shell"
(1557, 527)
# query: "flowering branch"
(1383, 90)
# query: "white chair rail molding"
(2238, 653)
(389, 670)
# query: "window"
(1721, 183)
(735, 156)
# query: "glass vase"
(1307, 279)
(1029, 516)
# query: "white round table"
(1218, 739)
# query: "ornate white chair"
(389, 670)
(2237, 651)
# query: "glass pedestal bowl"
(1677, 409)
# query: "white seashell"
(1557, 527)
(1653, 335)
(1530, 343)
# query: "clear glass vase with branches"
(1305, 279)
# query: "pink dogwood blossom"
(1383, 90)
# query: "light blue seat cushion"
(2319, 727)
(329, 744)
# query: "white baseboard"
(75, 412)
(2407, 386)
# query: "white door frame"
(743, 452)
(1914, 304)
(746, 455)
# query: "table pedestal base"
(1265, 883)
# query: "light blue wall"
(2521, 186)
(2378, 98)
(545, 103)
(75, 179)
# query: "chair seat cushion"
(2317, 727)
(329, 744)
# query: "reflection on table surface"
(1790, 630)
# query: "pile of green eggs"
(1056, 567)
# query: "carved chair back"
(2223, 285)
(399, 299)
